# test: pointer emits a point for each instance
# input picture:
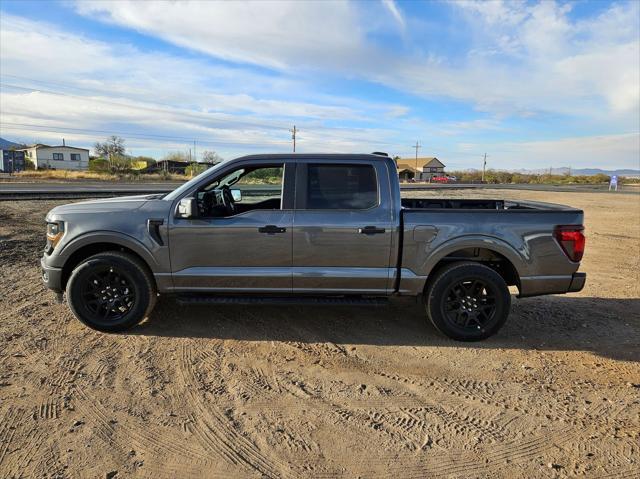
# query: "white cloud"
(92, 85)
(273, 33)
(526, 58)
(395, 12)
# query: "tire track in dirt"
(385, 422)
(483, 462)
(47, 409)
(28, 452)
(143, 437)
(632, 472)
(452, 420)
(74, 385)
(217, 432)
(8, 426)
(50, 466)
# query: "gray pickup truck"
(309, 228)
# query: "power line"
(224, 120)
(138, 136)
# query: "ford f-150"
(315, 228)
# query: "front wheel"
(111, 291)
(468, 301)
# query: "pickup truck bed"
(504, 233)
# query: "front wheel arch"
(92, 249)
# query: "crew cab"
(318, 228)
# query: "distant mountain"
(6, 144)
(596, 171)
(565, 170)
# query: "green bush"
(99, 165)
(505, 177)
(194, 169)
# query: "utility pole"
(484, 166)
(417, 146)
(293, 137)
(195, 152)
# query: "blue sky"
(532, 84)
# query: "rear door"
(342, 228)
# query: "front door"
(241, 241)
(342, 228)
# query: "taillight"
(571, 240)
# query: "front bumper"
(51, 277)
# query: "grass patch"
(67, 175)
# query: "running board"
(283, 300)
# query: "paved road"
(10, 190)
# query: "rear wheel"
(111, 291)
(468, 301)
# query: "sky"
(531, 84)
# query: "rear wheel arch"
(496, 254)
(486, 256)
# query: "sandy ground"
(326, 392)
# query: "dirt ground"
(326, 392)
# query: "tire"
(467, 301)
(111, 291)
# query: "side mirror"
(187, 208)
(236, 195)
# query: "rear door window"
(341, 187)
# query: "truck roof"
(315, 156)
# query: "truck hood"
(103, 205)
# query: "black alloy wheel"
(111, 291)
(467, 301)
(470, 304)
(108, 293)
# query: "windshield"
(189, 184)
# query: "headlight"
(54, 233)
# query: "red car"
(442, 179)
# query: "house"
(11, 161)
(419, 169)
(57, 157)
(172, 166)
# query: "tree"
(114, 146)
(209, 156)
(177, 156)
(120, 164)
